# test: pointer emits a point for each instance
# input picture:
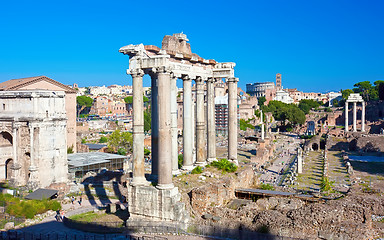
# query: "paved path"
(286, 149)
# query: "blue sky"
(315, 45)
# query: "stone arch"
(6, 138)
(8, 170)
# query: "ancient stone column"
(363, 117)
(262, 125)
(165, 136)
(232, 118)
(33, 177)
(15, 166)
(346, 117)
(154, 126)
(138, 129)
(187, 124)
(211, 120)
(200, 122)
(354, 117)
(299, 160)
(174, 153)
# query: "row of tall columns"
(164, 125)
(355, 117)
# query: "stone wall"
(221, 192)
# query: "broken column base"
(156, 204)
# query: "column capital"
(186, 78)
(199, 80)
(136, 72)
(211, 80)
(162, 69)
(232, 79)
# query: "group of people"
(73, 199)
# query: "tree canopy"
(120, 140)
(129, 99)
(83, 102)
(307, 104)
(261, 101)
(282, 112)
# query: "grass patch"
(197, 170)
(86, 217)
(27, 208)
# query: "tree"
(345, 93)
(381, 91)
(363, 88)
(307, 104)
(119, 140)
(261, 101)
(83, 102)
(103, 139)
(129, 99)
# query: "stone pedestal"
(150, 202)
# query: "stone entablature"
(33, 122)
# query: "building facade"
(33, 152)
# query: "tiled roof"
(15, 84)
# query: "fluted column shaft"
(154, 127)
(346, 117)
(354, 117)
(165, 136)
(262, 124)
(187, 124)
(232, 118)
(211, 128)
(363, 117)
(200, 122)
(15, 166)
(138, 129)
(174, 153)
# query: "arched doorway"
(8, 170)
(6, 138)
(315, 146)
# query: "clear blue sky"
(315, 45)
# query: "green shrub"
(103, 139)
(28, 208)
(146, 152)
(326, 185)
(266, 186)
(180, 160)
(224, 165)
(197, 170)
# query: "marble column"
(174, 153)
(138, 171)
(165, 136)
(187, 124)
(14, 181)
(211, 121)
(354, 117)
(154, 126)
(262, 125)
(200, 123)
(232, 119)
(363, 117)
(346, 117)
(33, 176)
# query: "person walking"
(80, 200)
(73, 200)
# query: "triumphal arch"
(174, 60)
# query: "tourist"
(72, 199)
(80, 200)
